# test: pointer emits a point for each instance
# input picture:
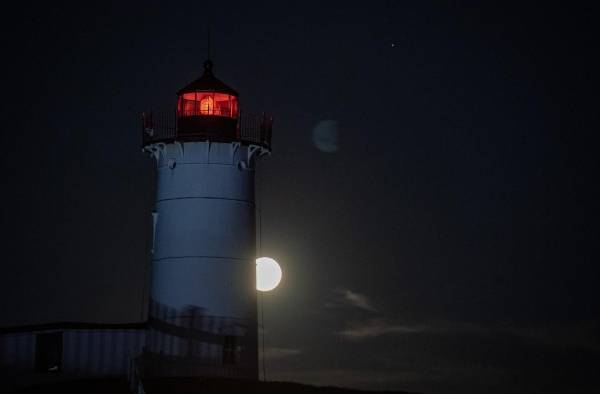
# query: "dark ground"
(189, 386)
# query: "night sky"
(448, 245)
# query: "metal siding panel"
(101, 351)
(96, 352)
(31, 352)
(7, 349)
(85, 352)
(68, 352)
(114, 357)
(79, 350)
(22, 350)
(120, 355)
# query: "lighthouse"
(202, 310)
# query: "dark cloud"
(375, 328)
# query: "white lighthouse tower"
(203, 313)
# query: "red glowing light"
(207, 103)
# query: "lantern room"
(207, 109)
(207, 103)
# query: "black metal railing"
(157, 126)
(256, 128)
(162, 127)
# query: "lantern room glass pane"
(207, 104)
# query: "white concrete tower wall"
(204, 245)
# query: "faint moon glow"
(325, 136)
(268, 274)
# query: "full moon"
(268, 274)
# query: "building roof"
(207, 83)
(72, 326)
(66, 385)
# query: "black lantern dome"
(207, 108)
(207, 83)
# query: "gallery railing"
(162, 127)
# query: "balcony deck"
(248, 129)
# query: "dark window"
(229, 350)
(48, 352)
